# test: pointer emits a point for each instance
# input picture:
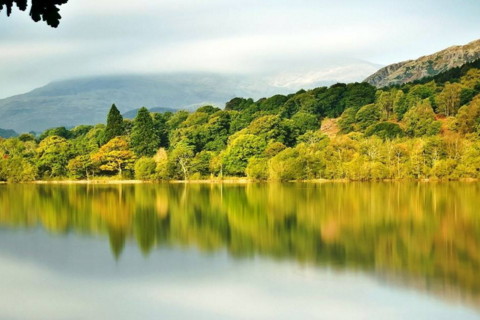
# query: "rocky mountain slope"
(426, 66)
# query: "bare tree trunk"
(182, 164)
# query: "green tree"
(200, 165)
(367, 115)
(238, 104)
(449, 99)
(272, 104)
(469, 165)
(81, 167)
(59, 132)
(115, 126)
(95, 137)
(16, 169)
(385, 130)
(217, 131)
(358, 94)
(268, 127)
(161, 128)
(311, 147)
(24, 137)
(420, 120)
(398, 155)
(80, 131)
(468, 117)
(257, 168)
(304, 122)
(330, 102)
(144, 140)
(239, 151)
(180, 160)
(385, 101)
(443, 168)
(53, 154)
(273, 148)
(145, 169)
(337, 153)
(304, 102)
(400, 105)
(289, 164)
(346, 123)
(161, 160)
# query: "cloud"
(102, 37)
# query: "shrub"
(145, 169)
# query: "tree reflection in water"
(424, 234)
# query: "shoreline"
(232, 181)
(106, 181)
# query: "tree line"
(428, 129)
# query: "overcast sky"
(98, 37)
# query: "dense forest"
(426, 129)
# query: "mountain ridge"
(7, 133)
(87, 100)
(425, 66)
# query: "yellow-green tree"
(53, 154)
(449, 99)
(114, 157)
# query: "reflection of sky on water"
(74, 277)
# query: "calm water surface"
(258, 251)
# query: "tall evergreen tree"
(144, 140)
(161, 128)
(115, 125)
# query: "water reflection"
(426, 236)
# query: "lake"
(399, 250)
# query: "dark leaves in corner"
(46, 10)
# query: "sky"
(340, 39)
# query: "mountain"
(426, 66)
(87, 100)
(7, 133)
(451, 75)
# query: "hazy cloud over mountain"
(271, 37)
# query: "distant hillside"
(5, 133)
(426, 66)
(87, 100)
